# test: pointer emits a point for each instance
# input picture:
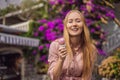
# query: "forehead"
(73, 15)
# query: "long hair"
(87, 46)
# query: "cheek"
(81, 29)
(81, 24)
(68, 27)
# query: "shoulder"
(54, 45)
(57, 41)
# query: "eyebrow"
(75, 19)
(78, 19)
(70, 19)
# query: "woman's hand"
(62, 52)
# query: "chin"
(74, 35)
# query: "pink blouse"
(73, 72)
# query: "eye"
(70, 21)
(78, 20)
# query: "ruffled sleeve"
(52, 57)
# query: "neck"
(75, 41)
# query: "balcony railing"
(17, 40)
(21, 26)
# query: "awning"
(18, 40)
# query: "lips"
(74, 29)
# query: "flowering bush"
(110, 67)
(53, 12)
(46, 31)
(95, 12)
(50, 28)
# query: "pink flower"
(61, 41)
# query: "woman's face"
(74, 24)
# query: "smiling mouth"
(74, 29)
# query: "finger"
(63, 52)
(62, 49)
(63, 55)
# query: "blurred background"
(27, 27)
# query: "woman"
(75, 60)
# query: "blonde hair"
(86, 44)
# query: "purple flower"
(35, 34)
(101, 52)
(52, 2)
(98, 16)
(102, 8)
(89, 22)
(92, 30)
(57, 21)
(41, 47)
(50, 36)
(42, 58)
(83, 8)
(41, 28)
(42, 37)
(60, 1)
(64, 12)
(98, 27)
(46, 61)
(71, 1)
(48, 31)
(98, 43)
(50, 24)
(53, 38)
(110, 14)
(60, 26)
(42, 21)
(102, 36)
(47, 45)
(34, 52)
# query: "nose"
(74, 23)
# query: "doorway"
(10, 65)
